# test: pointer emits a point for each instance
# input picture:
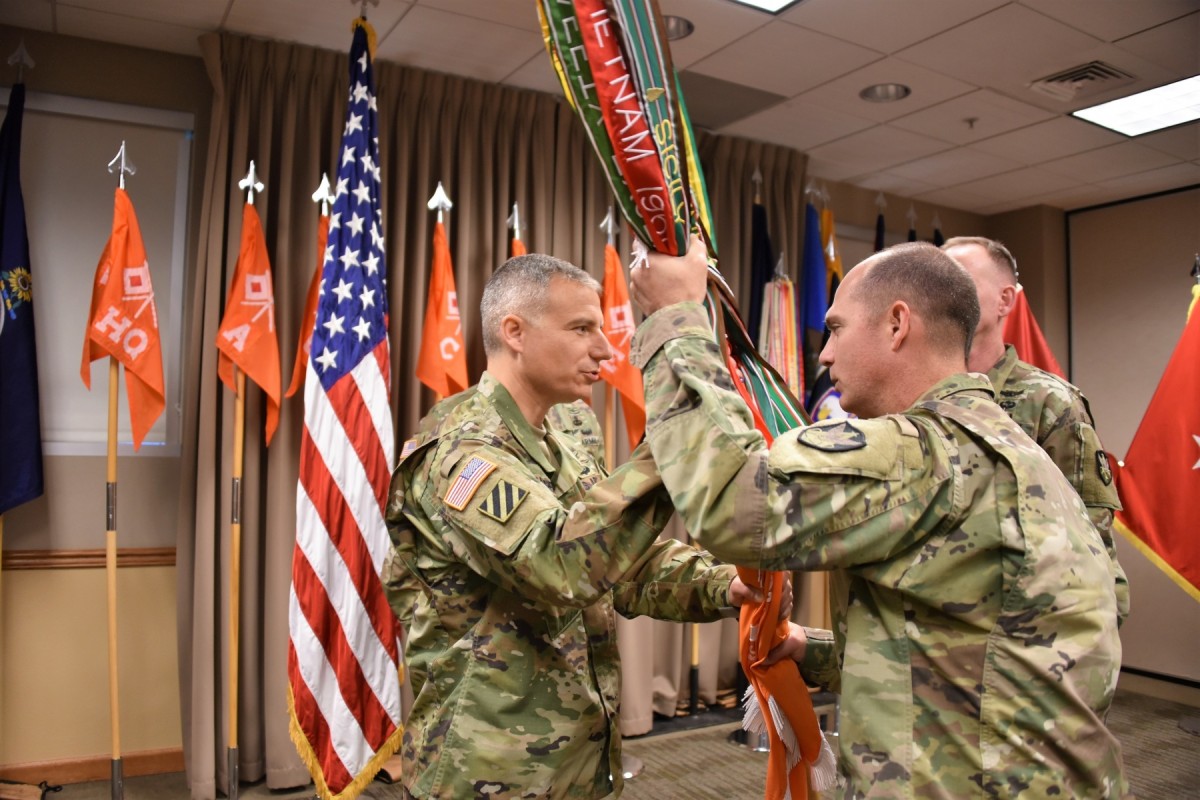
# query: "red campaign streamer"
(634, 147)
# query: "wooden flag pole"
(235, 566)
(110, 569)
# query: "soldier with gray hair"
(975, 641)
(1053, 412)
(513, 551)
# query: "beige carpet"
(1163, 762)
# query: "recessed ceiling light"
(1151, 110)
(885, 92)
(678, 27)
(773, 6)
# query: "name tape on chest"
(469, 479)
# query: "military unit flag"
(309, 319)
(344, 653)
(442, 362)
(20, 423)
(1160, 479)
(123, 322)
(246, 339)
(619, 327)
(1022, 332)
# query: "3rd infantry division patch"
(503, 501)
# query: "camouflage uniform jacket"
(512, 554)
(1055, 414)
(977, 640)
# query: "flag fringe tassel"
(1157, 560)
(361, 781)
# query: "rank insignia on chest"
(833, 438)
(468, 481)
(502, 501)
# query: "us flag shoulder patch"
(463, 488)
(408, 447)
(503, 500)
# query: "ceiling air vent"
(1082, 81)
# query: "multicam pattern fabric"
(512, 647)
(1056, 415)
(976, 627)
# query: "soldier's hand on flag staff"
(665, 280)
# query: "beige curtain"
(283, 106)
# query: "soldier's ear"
(1008, 298)
(512, 332)
(899, 323)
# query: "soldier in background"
(975, 644)
(1054, 413)
(513, 552)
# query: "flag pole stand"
(235, 564)
(110, 569)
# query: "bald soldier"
(514, 551)
(1051, 411)
(975, 641)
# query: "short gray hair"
(521, 287)
(933, 284)
(995, 250)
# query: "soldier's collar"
(525, 434)
(1003, 368)
(958, 383)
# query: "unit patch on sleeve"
(408, 447)
(469, 479)
(833, 438)
(1103, 469)
(503, 500)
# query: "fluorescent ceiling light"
(1151, 110)
(773, 6)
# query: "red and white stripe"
(344, 654)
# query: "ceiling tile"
(713, 103)
(964, 198)
(819, 169)
(718, 23)
(1073, 197)
(885, 27)
(118, 29)
(1162, 179)
(784, 59)
(1183, 141)
(434, 40)
(324, 25)
(1113, 161)
(35, 16)
(992, 114)
(895, 184)
(536, 74)
(928, 88)
(514, 13)
(1112, 21)
(1044, 141)
(955, 166)
(205, 14)
(877, 149)
(1172, 45)
(1026, 182)
(795, 123)
(1004, 49)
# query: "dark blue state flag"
(20, 422)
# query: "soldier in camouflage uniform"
(1054, 413)
(975, 646)
(514, 551)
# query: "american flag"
(344, 657)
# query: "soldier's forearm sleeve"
(675, 581)
(819, 667)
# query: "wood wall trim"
(88, 559)
(95, 768)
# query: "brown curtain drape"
(283, 106)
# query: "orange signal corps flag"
(618, 327)
(123, 322)
(310, 312)
(246, 338)
(442, 362)
(518, 247)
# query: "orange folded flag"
(123, 322)
(246, 338)
(618, 327)
(300, 367)
(442, 362)
(518, 247)
(777, 702)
